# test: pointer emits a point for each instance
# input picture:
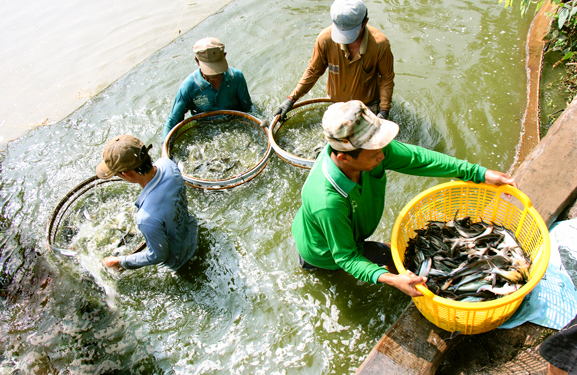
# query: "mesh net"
(98, 221)
(301, 134)
(217, 147)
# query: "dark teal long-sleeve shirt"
(197, 95)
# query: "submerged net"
(301, 134)
(97, 221)
(216, 149)
(219, 149)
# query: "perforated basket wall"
(479, 201)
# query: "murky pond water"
(248, 308)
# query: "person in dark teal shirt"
(213, 86)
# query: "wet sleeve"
(315, 69)
(418, 161)
(179, 109)
(157, 250)
(243, 95)
(337, 228)
(386, 77)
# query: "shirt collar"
(150, 186)
(203, 83)
(334, 175)
(364, 43)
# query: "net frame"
(276, 124)
(181, 128)
(66, 202)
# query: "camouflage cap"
(210, 55)
(351, 125)
(122, 153)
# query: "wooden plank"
(548, 174)
(411, 346)
(530, 130)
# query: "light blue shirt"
(163, 219)
(197, 96)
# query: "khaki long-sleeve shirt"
(367, 76)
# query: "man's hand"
(384, 115)
(112, 262)
(499, 178)
(264, 123)
(405, 282)
(283, 109)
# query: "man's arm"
(179, 108)
(157, 251)
(315, 69)
(336, 227)
(386, 77)
(419, 161)
(405, 282)
(499, 178)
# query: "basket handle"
(522, 197)
(426, 292)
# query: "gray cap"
(347, 16)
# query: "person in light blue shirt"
(214, 86)
(162, 216)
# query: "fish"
(464, 259)
(201, 167)
(425, 267)
(87, 214)
(503, 291)
(65, 252)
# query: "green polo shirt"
(337, 215)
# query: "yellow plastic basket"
(503, 205)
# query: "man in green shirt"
(343, 198)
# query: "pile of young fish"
(107, 230)
(217, 150)
(302, 134)
(466, 261)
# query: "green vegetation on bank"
(560, 53)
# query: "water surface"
(248, 308)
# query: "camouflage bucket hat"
(122, 153)
(351, 125)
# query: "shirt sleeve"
(336, 226)
(315, 69)
(179, 109)
(418, 161)
(157, 250)
(243, 95)
(386, 77)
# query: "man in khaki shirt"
(359, 60)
